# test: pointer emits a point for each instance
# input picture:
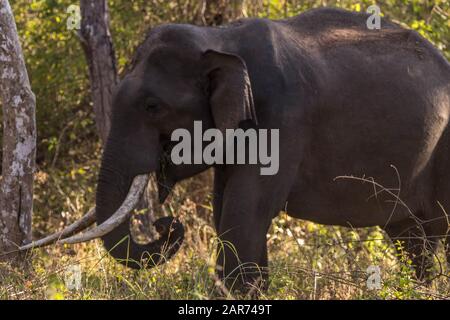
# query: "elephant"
(363, 120)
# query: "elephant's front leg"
(248, 207)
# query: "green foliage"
(58, 75)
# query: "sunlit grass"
(307, 261)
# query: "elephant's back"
(324, 30)
(323, 19)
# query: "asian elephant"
(363, 119)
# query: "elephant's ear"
(231, 97)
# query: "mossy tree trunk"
(19, 139)
(100, 56)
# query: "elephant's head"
(179, 77)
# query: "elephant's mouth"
(164, 181)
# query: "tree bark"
(99, 51)
(218, 12)
(19, 139)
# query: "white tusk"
(77, 226)
(130, 202)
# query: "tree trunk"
(99, 51)
(218, 12)
(19, 139)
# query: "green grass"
(307, 261)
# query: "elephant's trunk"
(115, 180)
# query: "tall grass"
(307, 260)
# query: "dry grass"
(308, 261)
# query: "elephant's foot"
(247, 282)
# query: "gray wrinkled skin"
(348, 101)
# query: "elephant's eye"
(151, 106)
